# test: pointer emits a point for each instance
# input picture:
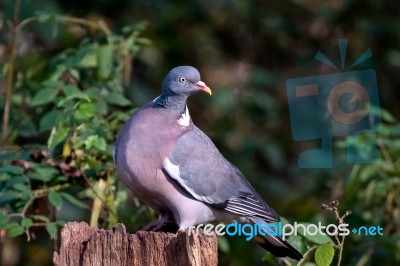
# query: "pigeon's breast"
(143, 144)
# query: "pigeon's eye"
(182, 79)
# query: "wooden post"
(82, 245)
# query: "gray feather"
(206, 175)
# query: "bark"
(82, 245)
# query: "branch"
(10, 73)
(333, 207)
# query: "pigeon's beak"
(202, 86)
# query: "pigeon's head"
(183, 81)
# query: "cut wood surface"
(82, 245)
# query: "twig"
(333, 207)
(98, 202)
(100, 25)
(36, 194)
(97, 195)
(10, 73)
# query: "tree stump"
(82, 245)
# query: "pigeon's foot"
(153, 226)
(166, 223)
(170, 227)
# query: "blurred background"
(73, 71)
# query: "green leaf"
(317, 238)
(3, 220)
(44, 17)
(96, 142)
(112, 208)
(43, 173)
(135, 27)
(7, 156)
(77, 95)
(37, 176)
(49, 120)
(307, 256)
(367, 172)
(16, 170)
(24, 188)
(4, 177)
(16, 180)
(104, 61)
(49, 83)
(55, 199)
(61, 223)
(46, 171)
(89, 60)
(11, 224)
(117, 99)
(324, 255)
(40, 218)
(268, 258)
(27, 127)
(43, 96)
(60, 179)
(74, 73)
(26, 222)
(387, 117)
(70, 90)
(57, 73)
(297, 242)
(8, 196)
(223, 244)
(85, 111)
(52, 230)
(143, 41)
(15, 231)
(57, 136)
(74, 200)
(95, 93)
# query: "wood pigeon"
(171, 165)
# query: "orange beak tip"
(208, 90)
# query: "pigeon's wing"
(199, 168)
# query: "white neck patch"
(185, 118)
(156, 99)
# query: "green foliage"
(324, 254)
(73, 103)
(371, 193)
(245, 52)
(223, 244)
(315, 248)
(55, 199)
(308, 257)
(373, 190)
(52, 229)
(317, 238)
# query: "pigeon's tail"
(274, 244)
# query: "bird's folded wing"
(199, 168)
